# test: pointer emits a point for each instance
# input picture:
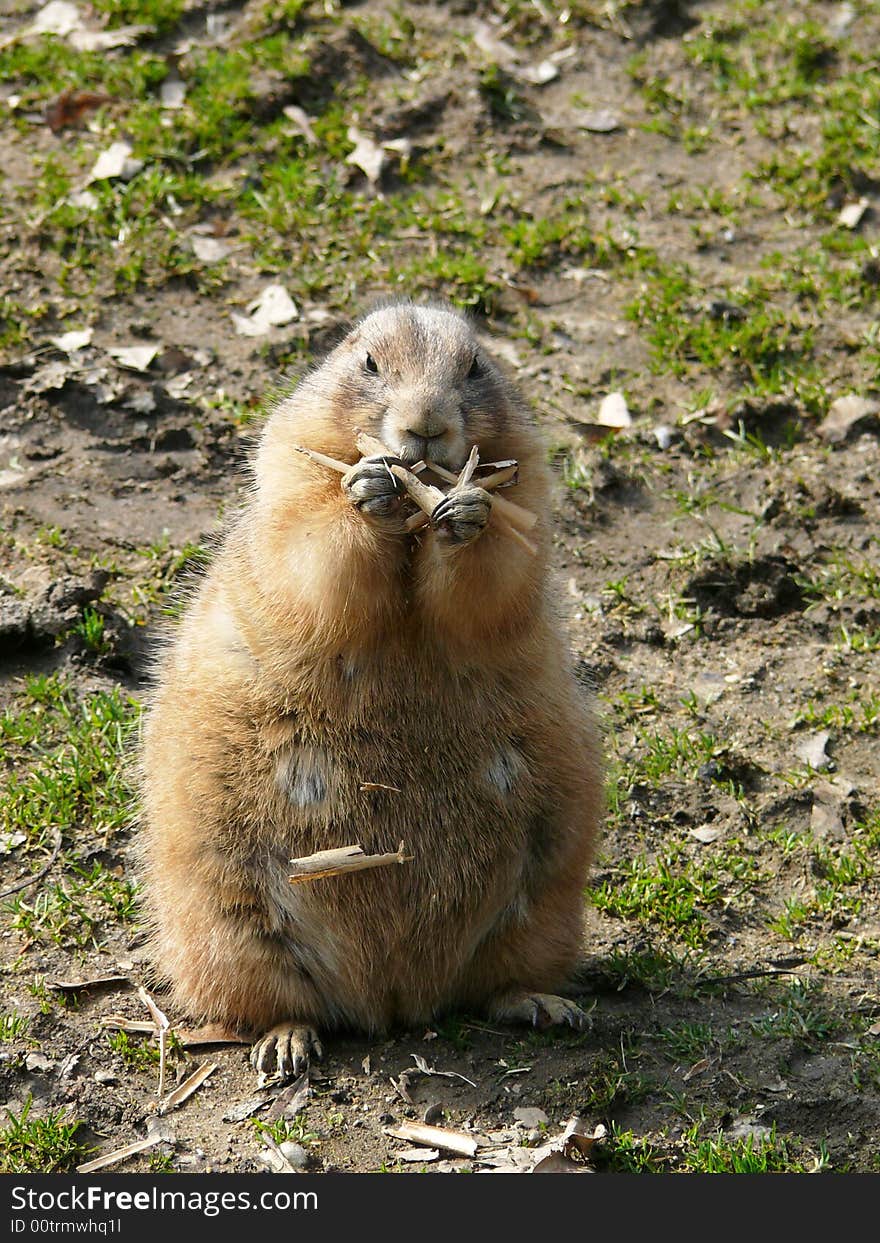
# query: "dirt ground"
(663, 217)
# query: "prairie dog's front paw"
(371, 488)
(462, 515)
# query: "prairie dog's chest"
(390, 742)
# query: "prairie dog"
(326, 649)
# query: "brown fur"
(325, 649)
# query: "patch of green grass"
(666, 893)
(654, 970)
(91, 630)
(46, 1145)
(74, 911)
(688, 1041)
(623, 1152)
(13, 1027)
(800, 1014)
(611, 1085)
(66, 759)
(767, 347)
(283, 1129)
(762, 1154)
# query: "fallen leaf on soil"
(9, 841)
(292, 1100)
(614, 412)
(846, 414)
(70, 342)
(826, 820)
(302, 122)
(558, 1163)
(812, 750)
(873, 1030)
(101, 40)
(84, 199)
(53, 375)
(851, 213)
(185, 1090)
(531, 1117)
(272, 309)
(116, 161)
(563, 1154)
(134, 357)
(172, 92)
(510, 59)
(597, 121)
(71, 107)
(247, 1109)
(38, 1062)
(538, 74)
(210, 249)
(706, 834)
(82, 986)
(367, 155)
(435, 1137)
(698, 1068)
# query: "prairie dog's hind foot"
(285, 1052)
(540, 1010)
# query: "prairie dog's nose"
(425, 419)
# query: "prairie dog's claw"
(285, 1052)
(542, 1010)
(371, 487)
(462, 514)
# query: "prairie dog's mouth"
(445, 450)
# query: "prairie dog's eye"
(371, 365)
(476, 369)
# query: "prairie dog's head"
(416, 378)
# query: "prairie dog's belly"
(463, 799)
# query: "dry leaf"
(101, 40)
(706, 834)
(812, 750)
(302, 122)
(272, 309)
(186, 1089)
(210, 249)
(422, 1156)
(614, 412)
(71, 107)
(70, 342)
(846, 414)
(597, 121)
(116, 161)
(82, 986)
(172, 92)
(851, 213)
(134, 357)
(292, 1100)
(367, 155)
(120, 1154)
